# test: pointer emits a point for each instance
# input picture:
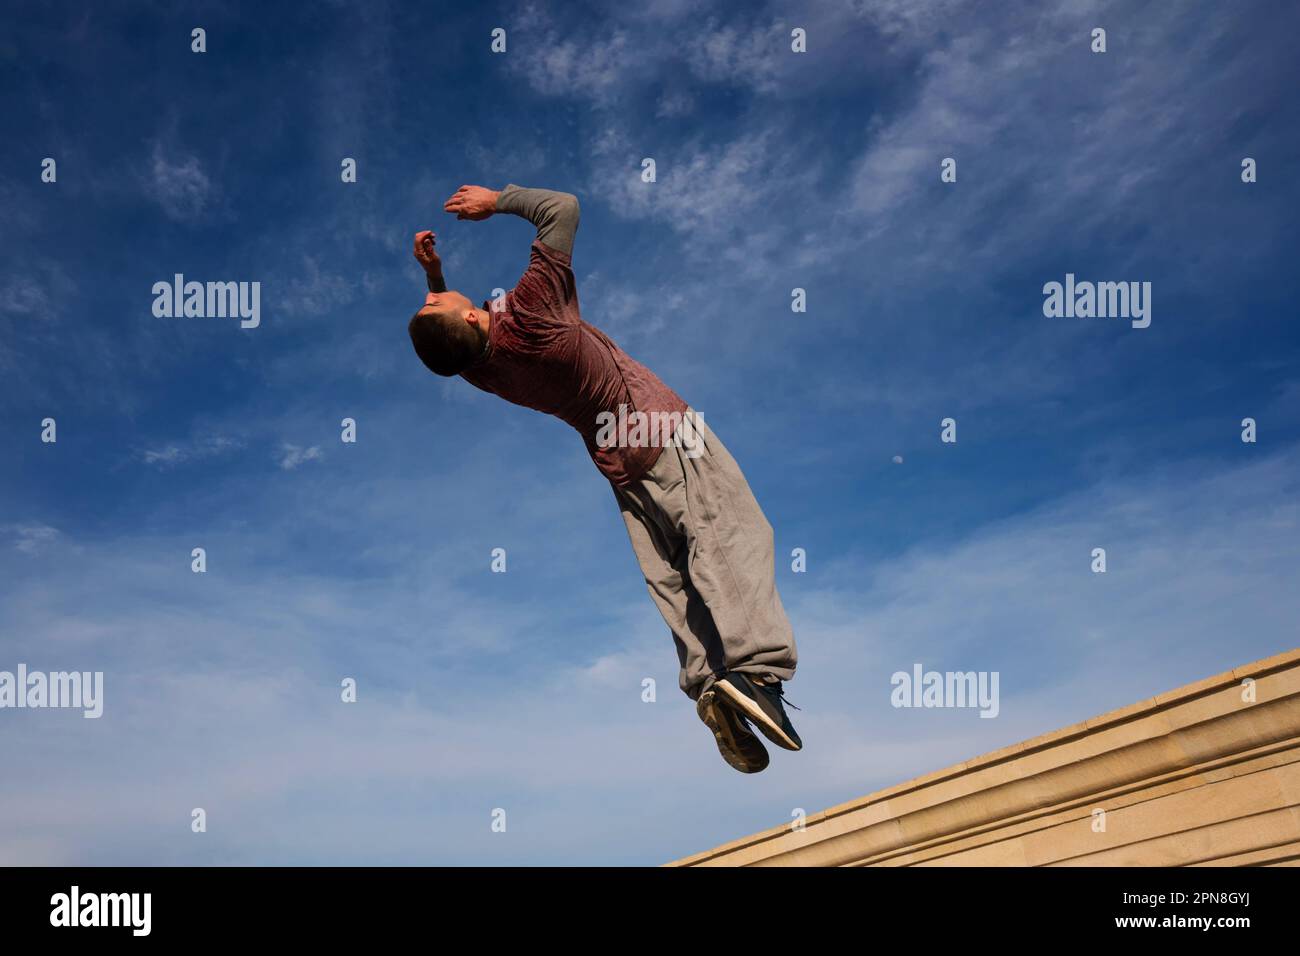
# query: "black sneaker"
(736, 742)
(761, 702)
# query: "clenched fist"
(425, 254)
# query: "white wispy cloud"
(632, 311)
(995, 97)
(293, 456)
(37, 289)
(308, 289)
(179, 183)
(555, 64)
(31, 538)
(726, 53)
(674, 103)
(718, 197)
(184, 452)
(23, 295)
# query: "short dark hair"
(446, 345)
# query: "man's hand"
(427, 257)
(425, 254)
(472, 202)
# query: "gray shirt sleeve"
(554, 214)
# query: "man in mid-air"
(701, 539)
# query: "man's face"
(450, 304)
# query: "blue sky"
(775, 171)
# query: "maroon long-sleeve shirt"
(542, 355)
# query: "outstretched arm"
(555, 214)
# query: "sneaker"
(761, 702)
(736, 742)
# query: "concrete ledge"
(1199, 775)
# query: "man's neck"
(485, 323)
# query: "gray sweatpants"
(705, 548)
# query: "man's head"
(448, 333)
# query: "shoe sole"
(756, 715)
(728, 746)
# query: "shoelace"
(779, 690)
